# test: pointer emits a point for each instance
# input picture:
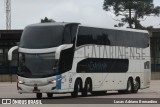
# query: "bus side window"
(84, 36)
(84, 39)
(88, 35)
(100, 38)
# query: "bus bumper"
(50, 88)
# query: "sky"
(86, 12)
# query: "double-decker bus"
(71, 58)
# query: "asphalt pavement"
(8, 90)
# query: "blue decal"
(58, 85)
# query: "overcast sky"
(88, 12)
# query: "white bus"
(70, 58)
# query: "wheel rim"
(78, 86)
(88, 86)
(129, 86)
(136, 86)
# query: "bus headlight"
(20, 82)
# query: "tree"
(131, 10)
(47, 20)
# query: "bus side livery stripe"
(58, 85)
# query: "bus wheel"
(49, 95)
(87, 87)
(129, 87)
(39, 95)
(136, 86)
(76, 89)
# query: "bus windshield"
(37, 65)
(38, 37)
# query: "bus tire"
(129, 86)
(76, 89)
(49, 95)
(87, 87)
(136, 86)
(39, 95)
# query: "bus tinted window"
(112, 37)
(100, 37)
(70, 34)
(67, 35)
(84, 36)
(36, 37)
(88, 35)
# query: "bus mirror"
(10, 52)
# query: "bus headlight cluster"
(20, 82)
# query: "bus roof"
(68, 23)
(121, 29)
(51, 24)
